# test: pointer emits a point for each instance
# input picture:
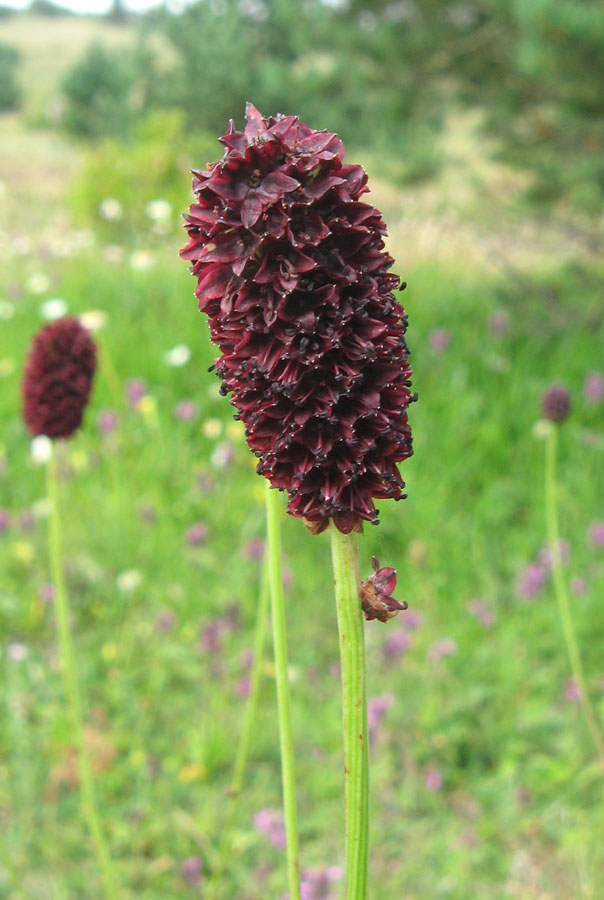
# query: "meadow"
(485, 782)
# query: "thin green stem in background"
(354, 709)
(561, 592)
(70, 680)
(249, 722)
(109, 372)
(275, 577)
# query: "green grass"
(165, 714)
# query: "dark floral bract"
(293, 275)
(58, 378)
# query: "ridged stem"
(354, 709)
(568, 628)
(275, 577)
(72, 694)
(249, 721)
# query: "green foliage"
(153, 164)
(10, 95)
(296, 59)
(551, 107)
(48, 8)
(107, 91)
(385, 74)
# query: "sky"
(87, 6)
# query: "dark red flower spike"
(555, 403)
(292, 273)
(58, 378)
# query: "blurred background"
(481, 125)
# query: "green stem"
(273, 511)
(354, 707)
(595, 892)
(568, 627)
(70, 681)
(110, 372)
(249, 721)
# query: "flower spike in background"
(555, 403)
(56, 388)
(58, 379)
(291, 271)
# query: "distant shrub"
(10, 95)
(150, 165)
(107, 91)
(47, 8)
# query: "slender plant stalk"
(354, 708)
(561, 592)
(70, 681)
(595, 892)
(109, 372)
(249, 721)
(275, 578)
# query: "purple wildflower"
(205, 482)
(242, 688)
(186, 410)
(4, 520)
(413, 619)
(107, 421)
(136, 388)
(596, 534)
(593, 387)
(222, 456)
(441, 649)
(196, 534)
(531, 581)
(315, 883)
(148, 514)
(433, 778)
(211, 636)
(578, 585)
(287, 578)
(27, 521)
(572, 691)
(482, 613)
(546, 556)
(377, 707)
(165, 621)
(440, 340)
(270, 823)
(499, 321)
(398, 642)
(254, 549)
(190, 870)
(46, 592)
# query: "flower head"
(190, 870)
(376, 594)
(596, 534)
(531, 581)
(555, 403)
(593, 387)
(270, 822)
(58, 379)
(292, 273)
